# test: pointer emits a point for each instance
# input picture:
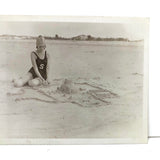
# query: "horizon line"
(69, 37)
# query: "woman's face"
(41, 48)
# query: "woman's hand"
(44, 82)
(48, 81)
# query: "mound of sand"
(67, 87)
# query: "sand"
(95, 91)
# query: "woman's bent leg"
(22, 81)
(34, 82)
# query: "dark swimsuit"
(42, 67)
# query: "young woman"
(38, 74)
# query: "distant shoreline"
(80, 42)
(77, 38)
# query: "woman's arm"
(33, 59)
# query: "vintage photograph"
(73, 81)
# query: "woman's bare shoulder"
(33, 54)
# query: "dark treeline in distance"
(76, 38)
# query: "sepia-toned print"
(73, 82)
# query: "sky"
(132, 31)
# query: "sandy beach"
(106, 100)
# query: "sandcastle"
(67, 87)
